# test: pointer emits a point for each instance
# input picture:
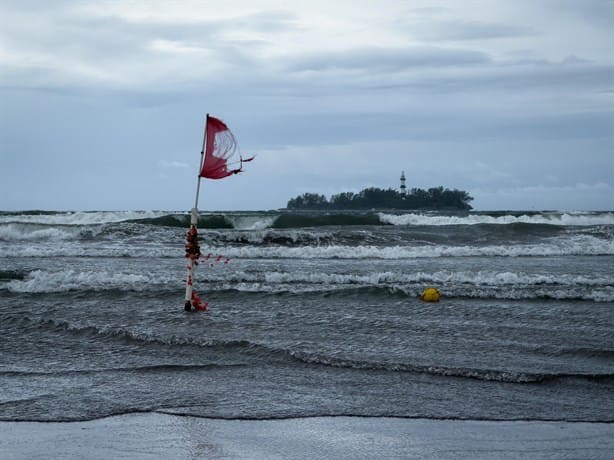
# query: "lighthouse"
(403, 188)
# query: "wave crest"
(546, 218)
(70, 280)
(258, 220)
(452, 284)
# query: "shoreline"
(161, 435)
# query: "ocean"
(310, 314)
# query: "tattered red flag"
(220, 147)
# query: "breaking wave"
(40, 281)
(481, 284)
(573, 246)
(580, 245)
(77, 217)
(258, 220)
(23, 232)
(558, 219)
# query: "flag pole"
(193, 227)
(202, 162)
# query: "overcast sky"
(102, 103)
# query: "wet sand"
(156, 435)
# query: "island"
(436, 198)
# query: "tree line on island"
(377, 198)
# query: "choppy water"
(314, 314)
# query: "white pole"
(193, 224)
(202, 162)
(190, 276)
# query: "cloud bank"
(514, 103)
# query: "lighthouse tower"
(403, 188)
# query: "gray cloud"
(388, 59)
(469, 30)
(520, 76)
(598, 13)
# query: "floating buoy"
(431, 295)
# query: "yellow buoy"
(430, 295)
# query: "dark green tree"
(308, 201)
(343, 200)
(376, 198)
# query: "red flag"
(220, 147)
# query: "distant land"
(376, 198)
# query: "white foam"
(68, 249)
(567, 219)
(480, 284)
(240, 222)
(19, 232)
(578, 245)
(443, 277)
(81, 217)
(601, 294)
(68, 280)
(565, 246)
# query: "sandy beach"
(155, 435)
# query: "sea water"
(310, 314)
